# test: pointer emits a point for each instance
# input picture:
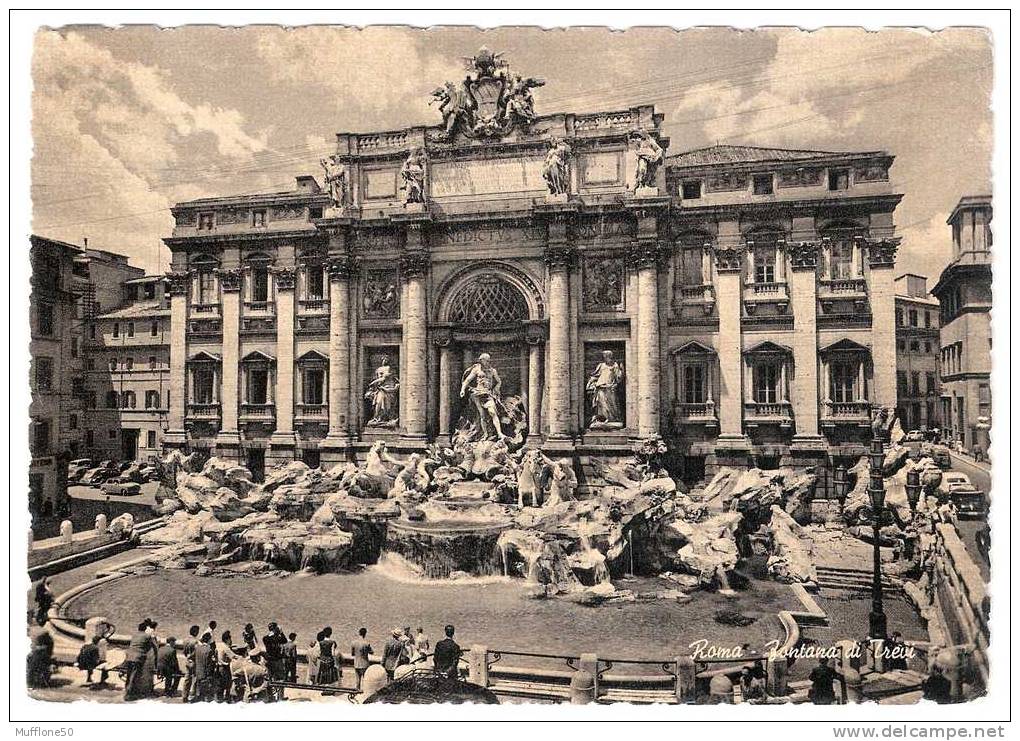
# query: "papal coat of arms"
(490, 102)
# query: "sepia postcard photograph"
(548, 364)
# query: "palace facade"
(964, 292)
(745, 294)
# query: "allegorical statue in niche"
(382, 393)
(336, 180)
(602, 388)
(649, 157)
(482, 382)
(412, 177)
(555, 171)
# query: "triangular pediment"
(694, 347)
(204, 357)
(768, 348)
(845, 345)
(257, 356)
(313, 356)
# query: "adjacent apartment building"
(964, 292)
(745, 293)
(127, 371)
(917, 354)
(57, 385)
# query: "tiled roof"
(722, 154)
(141, 310)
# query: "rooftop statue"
(556, 170)
(412, 176)
(649, 157)
(336, 180)
(489, 102)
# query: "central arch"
(488, 307)
(510, 292)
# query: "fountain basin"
(439, 548)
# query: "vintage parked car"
(122, 489)
(104, 471)
(940, 454)
(970, 502)
(77, 468)
(914, 436)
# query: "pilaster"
(175, 435)
(732, 444)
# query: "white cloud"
(126, 140)
(380, 76)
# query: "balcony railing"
(314, 305)
(778, 412)
(313, 411)
(205, 308)
(204, 410)
(847, 412)
(695, 413)
(259, 306)
(849, 287)
(700, 295)
(258, 412)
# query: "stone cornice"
(226, 237)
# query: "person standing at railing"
(360, 650)
(188, 648)
(393, 651)
(290, 655)
(447, 654)
(328, 672)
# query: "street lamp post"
(876, 492)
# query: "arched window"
(488, 301)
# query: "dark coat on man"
(392, 652)
(446, 656)
(205, 662)
(167, 663)
(822, 692)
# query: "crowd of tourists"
(210, 665)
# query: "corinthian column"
(341, 268)
(175, 435)
(648, 380)
(413, 267)
(559, 257)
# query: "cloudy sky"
(128, 121)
